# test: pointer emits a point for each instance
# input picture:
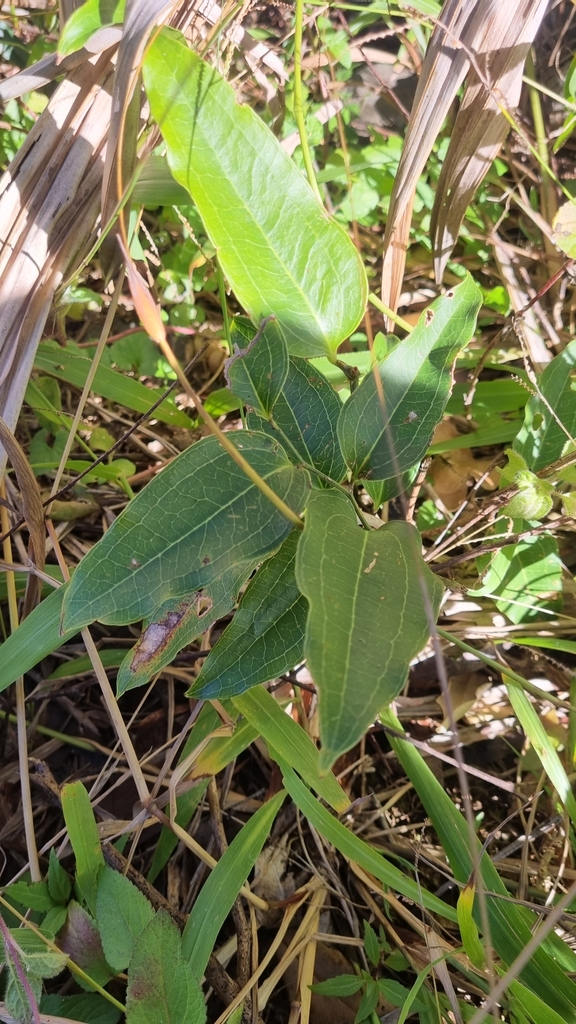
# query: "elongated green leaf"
(161, 986)
(306, 413)
(84, 839)
(70, 365)
(386, 430)
(177, 624)
(122, 912)
(156, 185)
(510, 925)
(551, 642)
(355, 849)
(541, 440)
(86, 20)
(86, 1006)
(284, 736)
(38, 635)
(59, 883)
(221, 889)
(257, 370)
(366, 626)
(197, 519)
(277, 246)
(266, 635)
(522, 577)
(543, 745)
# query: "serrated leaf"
(364, 629)
(161, 986)
(80, 939)
(217, 896)
(197, 519)
(34, 895)
(44, 963)
(59, 884)
(256, 372)
(86, 20)
(371, 944)
(177, 624)
(306, 413)
(522, 577)
(122, 912)
(280, 251)
(84, 839)
(381, 440)
(341, 985)
(88, 1007)
(541, 439)
(266, 635)
(569, 503)
(38, 635)
(286, 739)
(15, 997)
(71, 365)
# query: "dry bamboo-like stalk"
(491, 37)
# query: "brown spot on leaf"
(429, 316)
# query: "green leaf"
(221, 889)
(534, 499)
(306, 414)
(522, 576)
(161, 986)
(177, 624)
(363, 629)
(551, 642)
(34, 895)
(342, 985)
(197, 519)
(541, 440)
(15, 997)
(355, 849)
(368, 1002)
(510, 925)
(54, 921)
(86, 20)
(371, 944)
(285, 738)
(396, 993)
(84, 839)
(122, 912)
(80, 939)
(257, 371)
(86, 1006)
(70, 365)
(266, 635)
(280, 251)
(59, 884)
(38, 635)
(156, 185)
(379, 441)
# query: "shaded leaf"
(256, 372)
(86, 1006)
(341, 985)
(197, 519)
(379, 443)
(161, 986)
(80, 939)
(84, 839)
(266, 635)
(16, 998)
(122, 912)
(363, 630)
(279, 249)
(71, 365)
(306, 414)
(59, 883)
(541, 440)
(217, 896)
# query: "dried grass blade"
(481, 127)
